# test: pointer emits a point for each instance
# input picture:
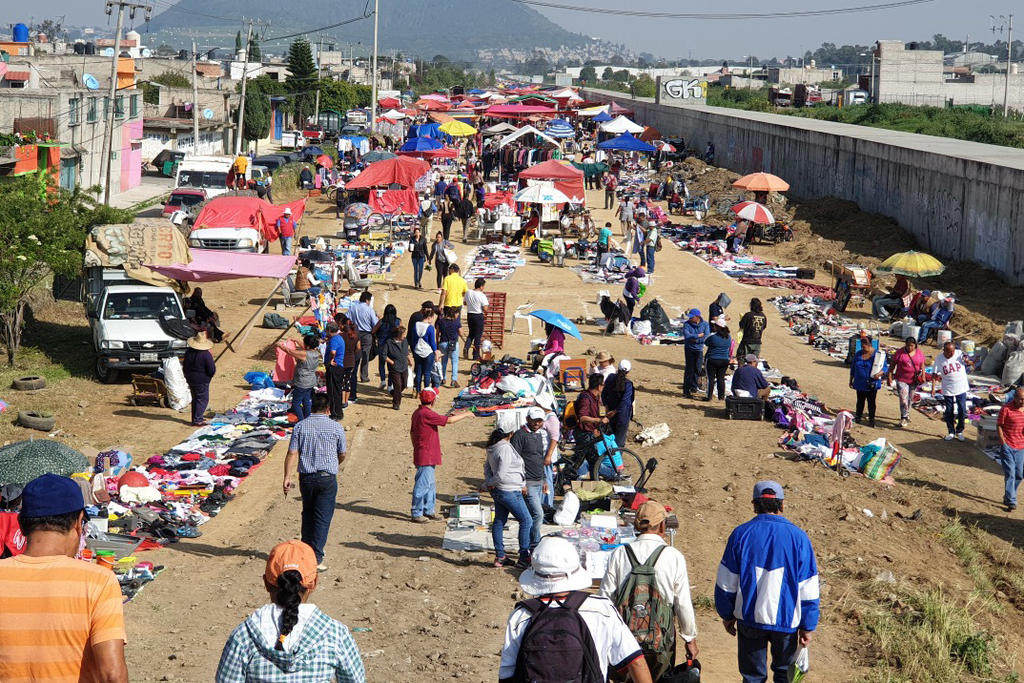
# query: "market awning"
(210, 265)
(552, 169)
(621, 124)
(525, 130)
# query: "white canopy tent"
(621, 125)
(525, 130)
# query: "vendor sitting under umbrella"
(885, 306)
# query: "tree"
(644, 86)
(588, 74)
(255, 54)
(257, 115)
(622, 76)
(608, 74)
(301, 81)
(42, 228)
(536, 65)
(238, 42)
(52, 28)
(172, 79)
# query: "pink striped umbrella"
(752, 211)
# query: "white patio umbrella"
(541, 193)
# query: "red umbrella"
(325, 161)
(552, 170)
(389, 103)
(432, 105)
(440, 153)
(404, 171)
(752, 211)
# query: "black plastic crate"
(744, 408)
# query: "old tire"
(34, 420)
(105, 374)
(29, 383)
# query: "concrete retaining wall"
(960, 200)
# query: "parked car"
(352, 129)
(184, 199)
(857, 97)
(292, 139)
(313, 133)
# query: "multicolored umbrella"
(664, 146)
(762, 182)
(752, 211)
(558, 320)
(911, 264)
(23, 461)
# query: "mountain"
(454, 28)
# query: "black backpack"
(557, 646)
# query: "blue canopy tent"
(420, 144)
(603, 117)
(560, 128)
(475, 91)
(428, 130)
(628, 143)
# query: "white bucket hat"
(555, 568)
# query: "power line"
(724, 16)
(172, 7)
(365, 15)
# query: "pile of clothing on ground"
(611, 269)
(504, 385)
(493, 262)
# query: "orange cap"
(291, 556)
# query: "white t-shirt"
(953, 374)
(615, 645)
(475, 301)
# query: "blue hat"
(51, 495)
(769, 489)
(693, 313)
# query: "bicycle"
(601, 466)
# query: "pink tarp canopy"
(518, 110)
(210, 265)
(247, 212)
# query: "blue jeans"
(319, 491)
(926, 329)
(417, 269)
(960, 401)
(506, 502)
(693, 362)
(548, 498)
(752, 653)
(449, 352)
(650, 260)
(302, 402)
(534, 495)
(424, 491)
(421, 371)
(1013, 469)
(286, 245)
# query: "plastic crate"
(744, 408)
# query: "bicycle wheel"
(632, 465)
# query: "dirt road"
(440, 614)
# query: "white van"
(207, 172)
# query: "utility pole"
(1000, 24)
(373, 89)
(195, 104)
(241, 102)
(319, 64)
(108, 130)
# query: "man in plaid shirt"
(318, 446)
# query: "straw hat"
(200, 342)
(603, 356)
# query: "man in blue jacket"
(695, 331)
(766, 591)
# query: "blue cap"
(693, 313)
(769, 489)
(51, 495)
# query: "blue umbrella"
(377, 155)
(559, 321)
(421, 144)
(627, 142)
(602, 117)
(560, 128)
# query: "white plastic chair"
(522, 313)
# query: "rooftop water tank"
(20, 33)
(133, 35)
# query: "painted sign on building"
(681, 90)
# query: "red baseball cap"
(428, 396)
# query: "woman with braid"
(290, 640)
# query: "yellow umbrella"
(458, 129)
(911, 264)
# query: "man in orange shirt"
(61, 619)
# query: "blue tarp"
(427, 130)
(602, 117)
(420, 144)
(627, 142)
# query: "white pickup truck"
(209, 173)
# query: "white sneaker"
(382, 385)
(948, 437)
(960, 436)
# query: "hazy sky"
(702, 39)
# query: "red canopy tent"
(432, 105)
(247, 212)
(403, 170)
(615, 109)
(567, 179)
(441, 153)
(512, 111)
(389, 103)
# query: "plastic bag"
(259, 380)
(993, 364)
(178, 393)
(641, 327)
(1013, 368)
(1016, 328)
(514, 384)
(800, 665)
(570, 510)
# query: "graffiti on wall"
(681, 90)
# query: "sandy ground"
(441, 614)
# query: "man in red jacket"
(426, 453)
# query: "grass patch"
(961, 541)
(926, 637)
(703, 602)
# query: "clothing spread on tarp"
(493, 262)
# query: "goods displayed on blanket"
(503, 385)
(709, 243)
(611, 269)
(493, 262)
(596, 517)
(171, 495)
